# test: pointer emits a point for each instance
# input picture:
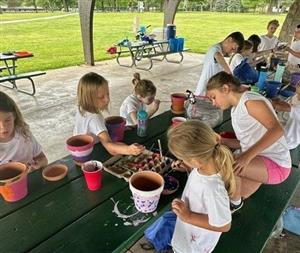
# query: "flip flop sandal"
(146, 246)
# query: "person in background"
(294, 49)
(93, 99)
(241, 55)
(203, 211)
(264, 157)
(143, 95)
(16, 141)
(214, 61)
(269, 41)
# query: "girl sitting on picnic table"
(214, 61)
(290, 117)
(203, 211)
(264, 157)
(93, 98)
(144, 94)
(269, 41)
(16, 141)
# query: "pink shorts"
(276, 173)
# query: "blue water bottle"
(142, 118)
(262, 78)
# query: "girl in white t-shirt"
(16, 141)
(93, 98)
(264, 157)
(269, 41)
(203, 211)
(242, 54)
(143, 95)
(294, 50)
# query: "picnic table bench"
(65, 216)
(12, 76)
(154, 51)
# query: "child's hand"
(33, 166)
(136, 149)
(179, 166)
(154, 105)
(181, 209)
(240, 162)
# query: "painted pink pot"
(13, 181)
(81, 147)
(295, 78)
(178, 100)
(92, 171)
(177, 121)
(146, 188)
(115, 126)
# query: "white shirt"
(19, 149)
(204, 195)
(89, 123)
(129, 105)
(248, 131)
(296, 47)
(267, 43)
(210, 68)
(235, 61)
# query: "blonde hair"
(8, 105)
(195, 140)
(143, 87)
(87, 92)
(218, 80)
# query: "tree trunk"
(66, 8)
(170, 7)
(86, 13)
(292, 19)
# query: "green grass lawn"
(57, 43)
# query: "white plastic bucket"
(146, 187)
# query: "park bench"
(12, 79)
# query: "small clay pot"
(55, 172)
(178, 100)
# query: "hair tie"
(217, 145)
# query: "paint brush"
(160, 149)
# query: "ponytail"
(224, 163)
(143, 87)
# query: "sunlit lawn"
(57, 43)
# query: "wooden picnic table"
(11, 76)
(65, 216)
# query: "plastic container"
(295, 78)
(115, 126)
(180, 44)
(81, 147)
(146, 188)
(142, 118)
(272, 88)
(262, 78)
(13, 181)
(177, 121)
(173, 43)
(279, 72)
(171, 31)
(92, 171)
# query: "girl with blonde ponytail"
(203, 211)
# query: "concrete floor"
(51, 112)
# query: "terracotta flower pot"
(55, 172)
(146, 187)
(13, 181)
(81, 147)
(178, 100)
(115, 127)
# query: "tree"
(170, 7)
(292, 19)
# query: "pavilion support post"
(291, 21)
(170, 8)
(86, 13)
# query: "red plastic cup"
(92, 171)
(177, 121)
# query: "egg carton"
(124, 166)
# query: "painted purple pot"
(115, 126)
(81, 147)
(295, 78)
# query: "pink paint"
(13, 180)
